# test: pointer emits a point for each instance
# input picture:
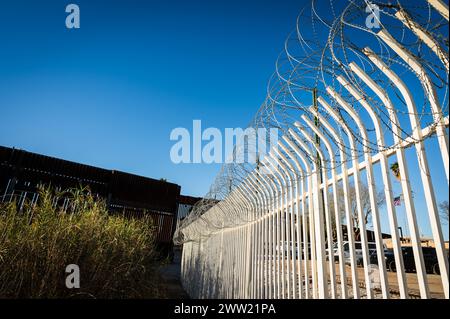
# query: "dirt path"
(170, 275)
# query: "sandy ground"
(434, 283)
(170, 274)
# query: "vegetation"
(365, 206)
(115, 255)
(396, 171)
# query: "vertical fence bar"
(346, 186)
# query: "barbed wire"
(316, 54)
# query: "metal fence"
(23, 173)
(296, 224)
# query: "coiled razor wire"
(327, 37)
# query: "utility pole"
(316, 119)
(318, 161)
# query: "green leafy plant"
(395, 170)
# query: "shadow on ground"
(170, 275)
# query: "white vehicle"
(289, 247)
(358, 251)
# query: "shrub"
(115, 255)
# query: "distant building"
(185, 205)
(406, 242)
(370, 234)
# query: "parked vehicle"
(358, 251)
(429, 256)
(289, 247)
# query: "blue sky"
(109, 93)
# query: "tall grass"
(115, 255)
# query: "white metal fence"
(296, 225)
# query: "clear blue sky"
(109, 93)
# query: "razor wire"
(317, 54)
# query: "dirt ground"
(170, 274)
(434, 283)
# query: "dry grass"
(115, 255)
